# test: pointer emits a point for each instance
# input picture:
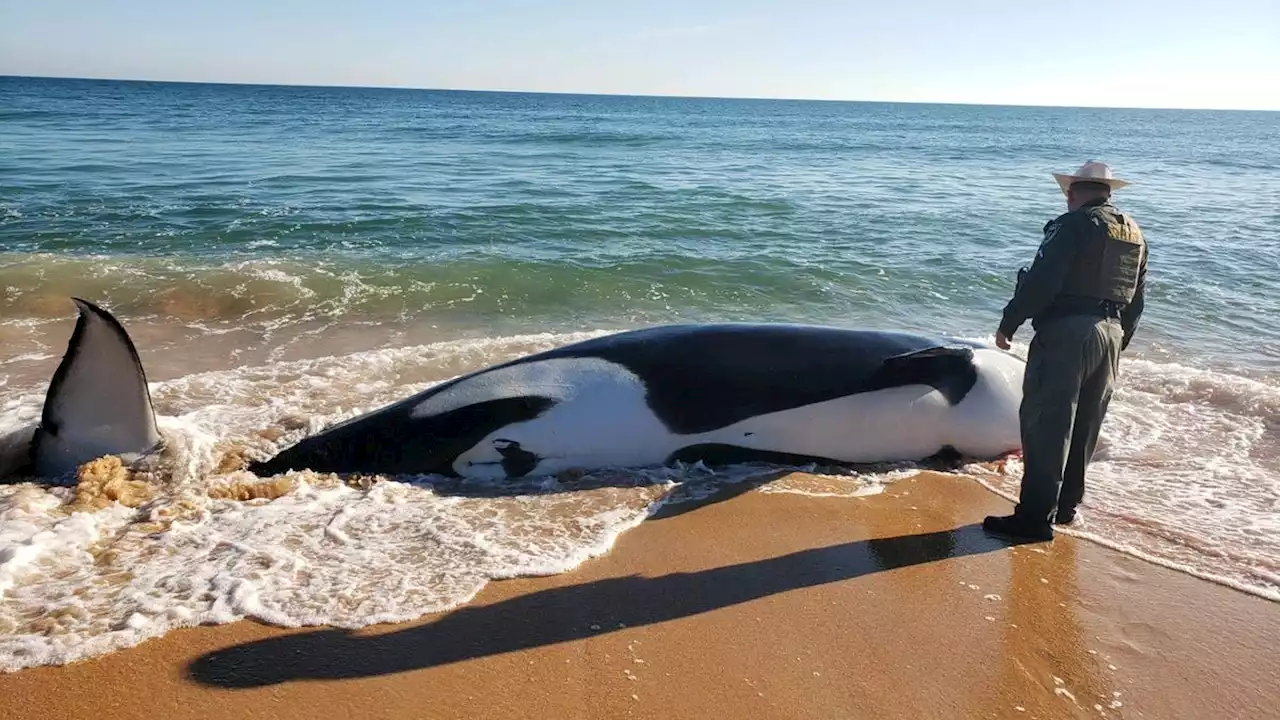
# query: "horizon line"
(758, 98)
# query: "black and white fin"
(948, 369)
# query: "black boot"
(1018, 526)
(1064, 517)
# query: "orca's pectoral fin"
(98, 401)
(947, 368)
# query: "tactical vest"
(1106, 265)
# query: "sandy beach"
(749, 605)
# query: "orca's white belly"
(867, 427)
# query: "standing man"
(1083, 294)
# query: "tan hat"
(1091, 171)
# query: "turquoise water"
(286, 258)
(271, 203)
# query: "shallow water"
(288, 257)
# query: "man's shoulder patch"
(1056, 224)
(1051, 229)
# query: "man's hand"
(1002, 342)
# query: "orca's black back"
(703, 377)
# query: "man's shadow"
(564, 614)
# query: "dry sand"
(755, 606)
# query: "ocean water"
(288, 257)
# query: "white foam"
(1187, 478)
(985, 478)
(27, 357)
(1187, 473)
(321, 554)
(75, 585)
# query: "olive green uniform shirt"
(1088, 256)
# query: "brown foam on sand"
(106, 480)
(755, 606)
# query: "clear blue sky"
(1137, 53)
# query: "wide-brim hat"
(1092, 171)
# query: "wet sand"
(755, 605)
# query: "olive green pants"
(1071, 370)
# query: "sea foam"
(1187, 477)
(1187, 474)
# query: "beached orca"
(716, 393)
(98, 402)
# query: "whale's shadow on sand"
(564, 614)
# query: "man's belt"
(1063, 307)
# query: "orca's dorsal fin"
(98, 401)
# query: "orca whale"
(720, 393)
(98, 402)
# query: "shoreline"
(751, 605)
(1085, 536)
